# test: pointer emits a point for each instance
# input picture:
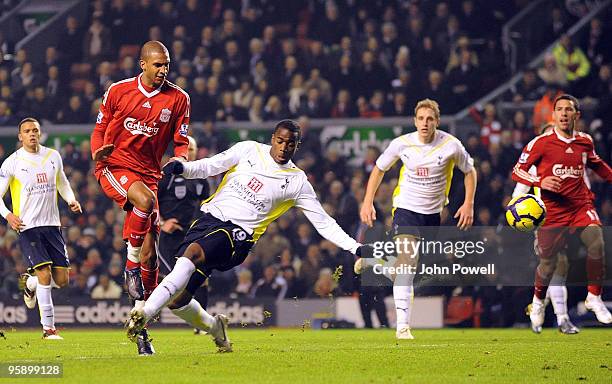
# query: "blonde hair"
(428, 103)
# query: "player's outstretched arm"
(219, 163)
(324, 224)
(465, 213)
(367, 213)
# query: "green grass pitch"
(313, 356)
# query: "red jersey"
(141, 122)
(555, 155)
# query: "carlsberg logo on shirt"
(564, 172)
(138, 128)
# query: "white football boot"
(536, 311)
(596, 305)
(404, 334)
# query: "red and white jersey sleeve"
(531, 156)
(141, 123)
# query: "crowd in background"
(262, 60)
(267, 60)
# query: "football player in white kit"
(35, 174)
(260, 184)
(429, 157)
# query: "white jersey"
(256, 190)
(425, 177)
(34, 180)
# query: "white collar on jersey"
(144, 91)
(565, 139)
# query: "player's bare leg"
(172, 289)
(403, 288)
(592, 238)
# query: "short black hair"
(27, 120)
(290, 125)
(569, 97)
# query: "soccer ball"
(525, 213)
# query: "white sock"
(32, 282)
(195, 315)
(537, 300)
(45, 305)
(171, 285)
(592, 296)
(403, 295)
(133, 253)
(558, 298)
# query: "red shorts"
(115, 183)
(551, 238)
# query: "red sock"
(149, 279)
(595, 289)
(129, 264)
(595, 271)
(541, 285)
(138, 226)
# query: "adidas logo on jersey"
(569, 150)
(147, 105)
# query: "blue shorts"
(225, 244)
(44, 245)
(407, 222)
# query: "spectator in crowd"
(542, 111)
(490, 127)
(271, 284)
(106, 289)
(325, 286)
(599, 87)
(343, 108)
(245, 284)
(551, 74)
(97, 45)
(528, 89)
(597, 48)
(76, 113)
(573, 62)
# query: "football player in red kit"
(561, 157)
(137, 120)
